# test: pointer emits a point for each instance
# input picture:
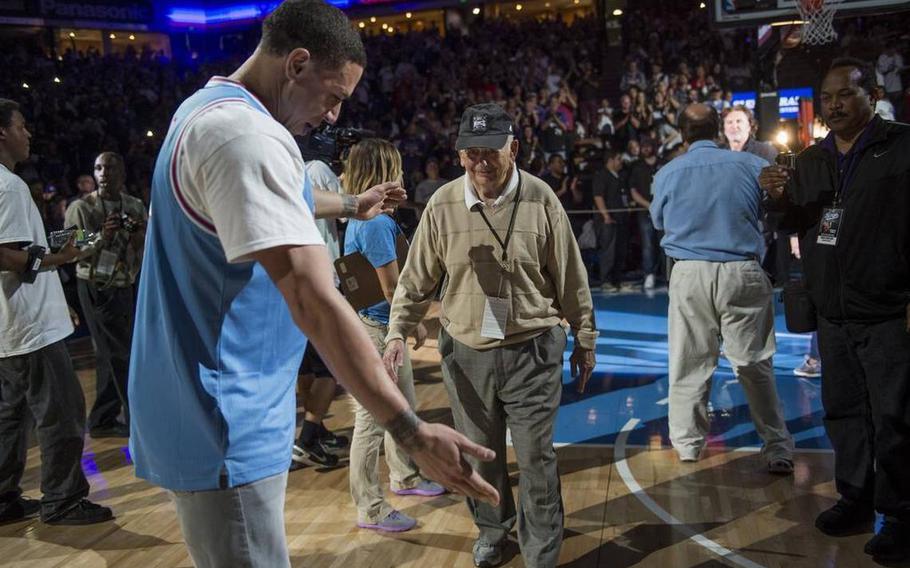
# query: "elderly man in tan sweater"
(500, 240)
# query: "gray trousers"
(42, 385)
(710, 301)
(519, 387)
(239, 527)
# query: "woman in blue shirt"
(370, 162)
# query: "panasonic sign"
(114, 12)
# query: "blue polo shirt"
(708, 204)
(215, 350)
(376, 241)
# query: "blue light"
(225, 14)
(190, 16)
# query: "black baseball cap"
(486, 125)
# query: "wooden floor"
(721, 511)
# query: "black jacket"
(866, 276)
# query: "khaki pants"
(367, 443)
(710, 301)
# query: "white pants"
(732, 301)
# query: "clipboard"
(358, 279)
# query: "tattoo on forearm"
(348, 205)
(403, 429)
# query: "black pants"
(612, 244)
(109, 316)
(866, 397)
(42, 385)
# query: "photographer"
(106, 274)
(36, 373)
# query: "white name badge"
(495, 317)
(829, 227)
(107, 261)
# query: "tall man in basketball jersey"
(234, 270)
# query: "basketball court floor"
(629, 502)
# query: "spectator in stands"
(633, 77)
(85, 184)
(891, 64)
(883, 106)
(632, 153)
(428, 186)
(625, 124)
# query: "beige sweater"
(545, 282)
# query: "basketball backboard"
(748, 13)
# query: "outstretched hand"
(382, 198)
(440, 453)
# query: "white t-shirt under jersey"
(33, 315)
(223, 180)
(322, 177)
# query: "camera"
(128, 224)
(329, 143)
(787, 160)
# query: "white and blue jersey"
(215, 351)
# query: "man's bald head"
(699, 122)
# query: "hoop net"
(818, 20)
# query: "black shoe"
(892, 543)
(330, 441)
(19, 510)
(84, 512)
(846, 518)
(313, 455)
(113, 431)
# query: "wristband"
(348, 205)
(33, 263)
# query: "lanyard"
(505, 244)
(846, 169)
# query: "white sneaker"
(649, 282)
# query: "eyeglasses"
(480, 154)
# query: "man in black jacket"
(849, 199)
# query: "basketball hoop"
(818, 20)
